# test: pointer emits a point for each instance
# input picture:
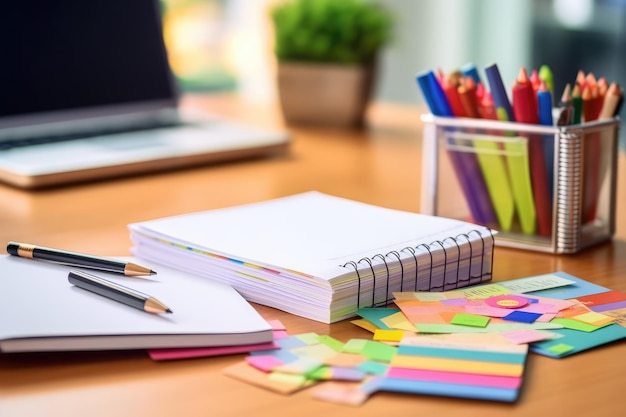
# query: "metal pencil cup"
(542, 188)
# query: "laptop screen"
(81, 58)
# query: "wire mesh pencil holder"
(543, 188)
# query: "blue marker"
(498, 91)
(434, 94)
(544, 104)
(469, 70)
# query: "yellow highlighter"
(494, 170)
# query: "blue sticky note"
(522, 316)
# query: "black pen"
(117, 292)
(25, 250)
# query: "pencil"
(611, 103)
(117, 292)
(26, 250)
(577, 105)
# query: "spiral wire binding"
(458, 282)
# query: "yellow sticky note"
(594, 318)
(345, 360)
(399, 321)
(290, 379)
(277, 383)
(457, 365)
(364, 324)
(388, 335)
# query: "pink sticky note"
(454, 302)
(546, 318)
(280, 334)
(541, 308)
(509, 382)
(186, 353)
(523, 336)
(276, 325)
(485, 310)
(264, 363)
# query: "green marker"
(545, 74)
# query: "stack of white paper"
(319, 256)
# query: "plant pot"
(321, 94)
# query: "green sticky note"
(560, 349)
(331, 342)
(472, 320)
(575, 324)
(308, 338)
(354, 346)
(323, 372)
(378, 351)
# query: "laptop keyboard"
(40, 140)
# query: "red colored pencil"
(467, 93)
(525, 110)
(450, 88)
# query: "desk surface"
(379, 165)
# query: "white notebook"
(317, 255)
(42, 311)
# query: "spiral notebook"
(317, 255)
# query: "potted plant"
(326, 52)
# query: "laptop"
(87, 93)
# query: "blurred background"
(227, 45)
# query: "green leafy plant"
(330, 31)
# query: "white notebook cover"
(42, 311)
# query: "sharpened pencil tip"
(169, 311)
(152, 272)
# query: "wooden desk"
(381, 166)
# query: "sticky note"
(373, 367)
(264, 363)
(340, 393)
(337, 374)
(346, 360)
(399, 321)
(331, 342)
(379, 351)
(354, 345)
(522, 316)
(388, 335)
(290, 379)
(308, 338)
(594, 318)
(315, 352)
(522, 336)
(282, 384)
(470, 320)
(364, 324)
(561, 348)
(575, 325)
(291, 342)
(299, 367)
